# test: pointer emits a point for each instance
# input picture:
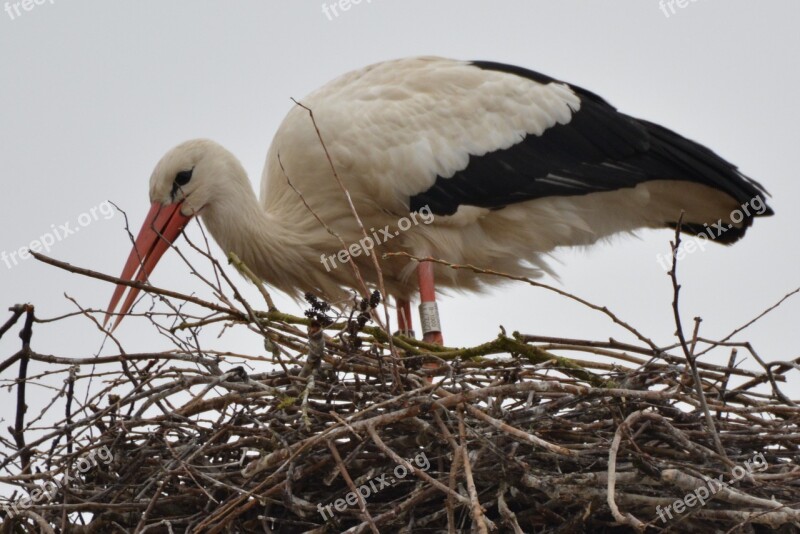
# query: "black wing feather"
(600, 149)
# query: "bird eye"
(183, 177)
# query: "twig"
(533, 283)
(478, 517)
(375, 261)
(690, 359)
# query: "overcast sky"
(93, 93)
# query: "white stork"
(510, 162)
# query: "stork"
(509, 163)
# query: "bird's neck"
(264, 241)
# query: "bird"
(474, 162)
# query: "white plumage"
(497, 149)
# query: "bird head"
(190, 176)
(185, 181)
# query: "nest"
(355, 430)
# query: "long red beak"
(161, 227)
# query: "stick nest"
(355, 430)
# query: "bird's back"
(511, 163)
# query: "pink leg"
(429, 314)
(404, 323)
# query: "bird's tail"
(674, 156)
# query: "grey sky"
(93, 93)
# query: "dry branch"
(518, 434)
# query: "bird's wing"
(444, 134)
(597, 149)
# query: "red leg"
(429, 313)
(404, 323)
